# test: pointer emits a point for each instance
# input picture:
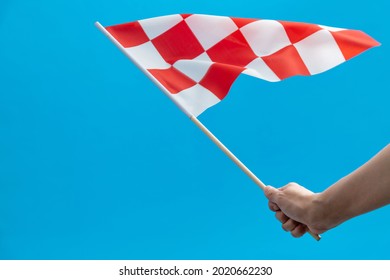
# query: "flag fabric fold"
(196, 58)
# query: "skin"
(365, 189)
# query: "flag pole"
(228, 152)
(193, 118)
(237, 161)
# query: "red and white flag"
(196, 58)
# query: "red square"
(233, 50)
(353, 42)
(178, 43)
(220, 77)
(184, 16)
(128, 34)
(241, 22)
(172, 79)
(286, 63)
(296, 31)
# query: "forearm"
(365, 189)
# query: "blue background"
(96, 163)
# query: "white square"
(259, 69)
(203, 57)
(147, 56)
(154, 27)
(319, 52)
(329, 28)
(265, 36)
(192, 68)
(196, 99)
(209, 30)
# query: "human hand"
(297, 208)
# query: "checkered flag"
(196, 58)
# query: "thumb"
(271, 193)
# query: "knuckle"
(299, 231)
(273, 206)
(269, 193)
(292, 184)
(295, 234)
(280, 216)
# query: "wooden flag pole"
(228, 153)
(237, 161)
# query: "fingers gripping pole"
(237, 161)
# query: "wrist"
(322, 216)
(326, 213)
